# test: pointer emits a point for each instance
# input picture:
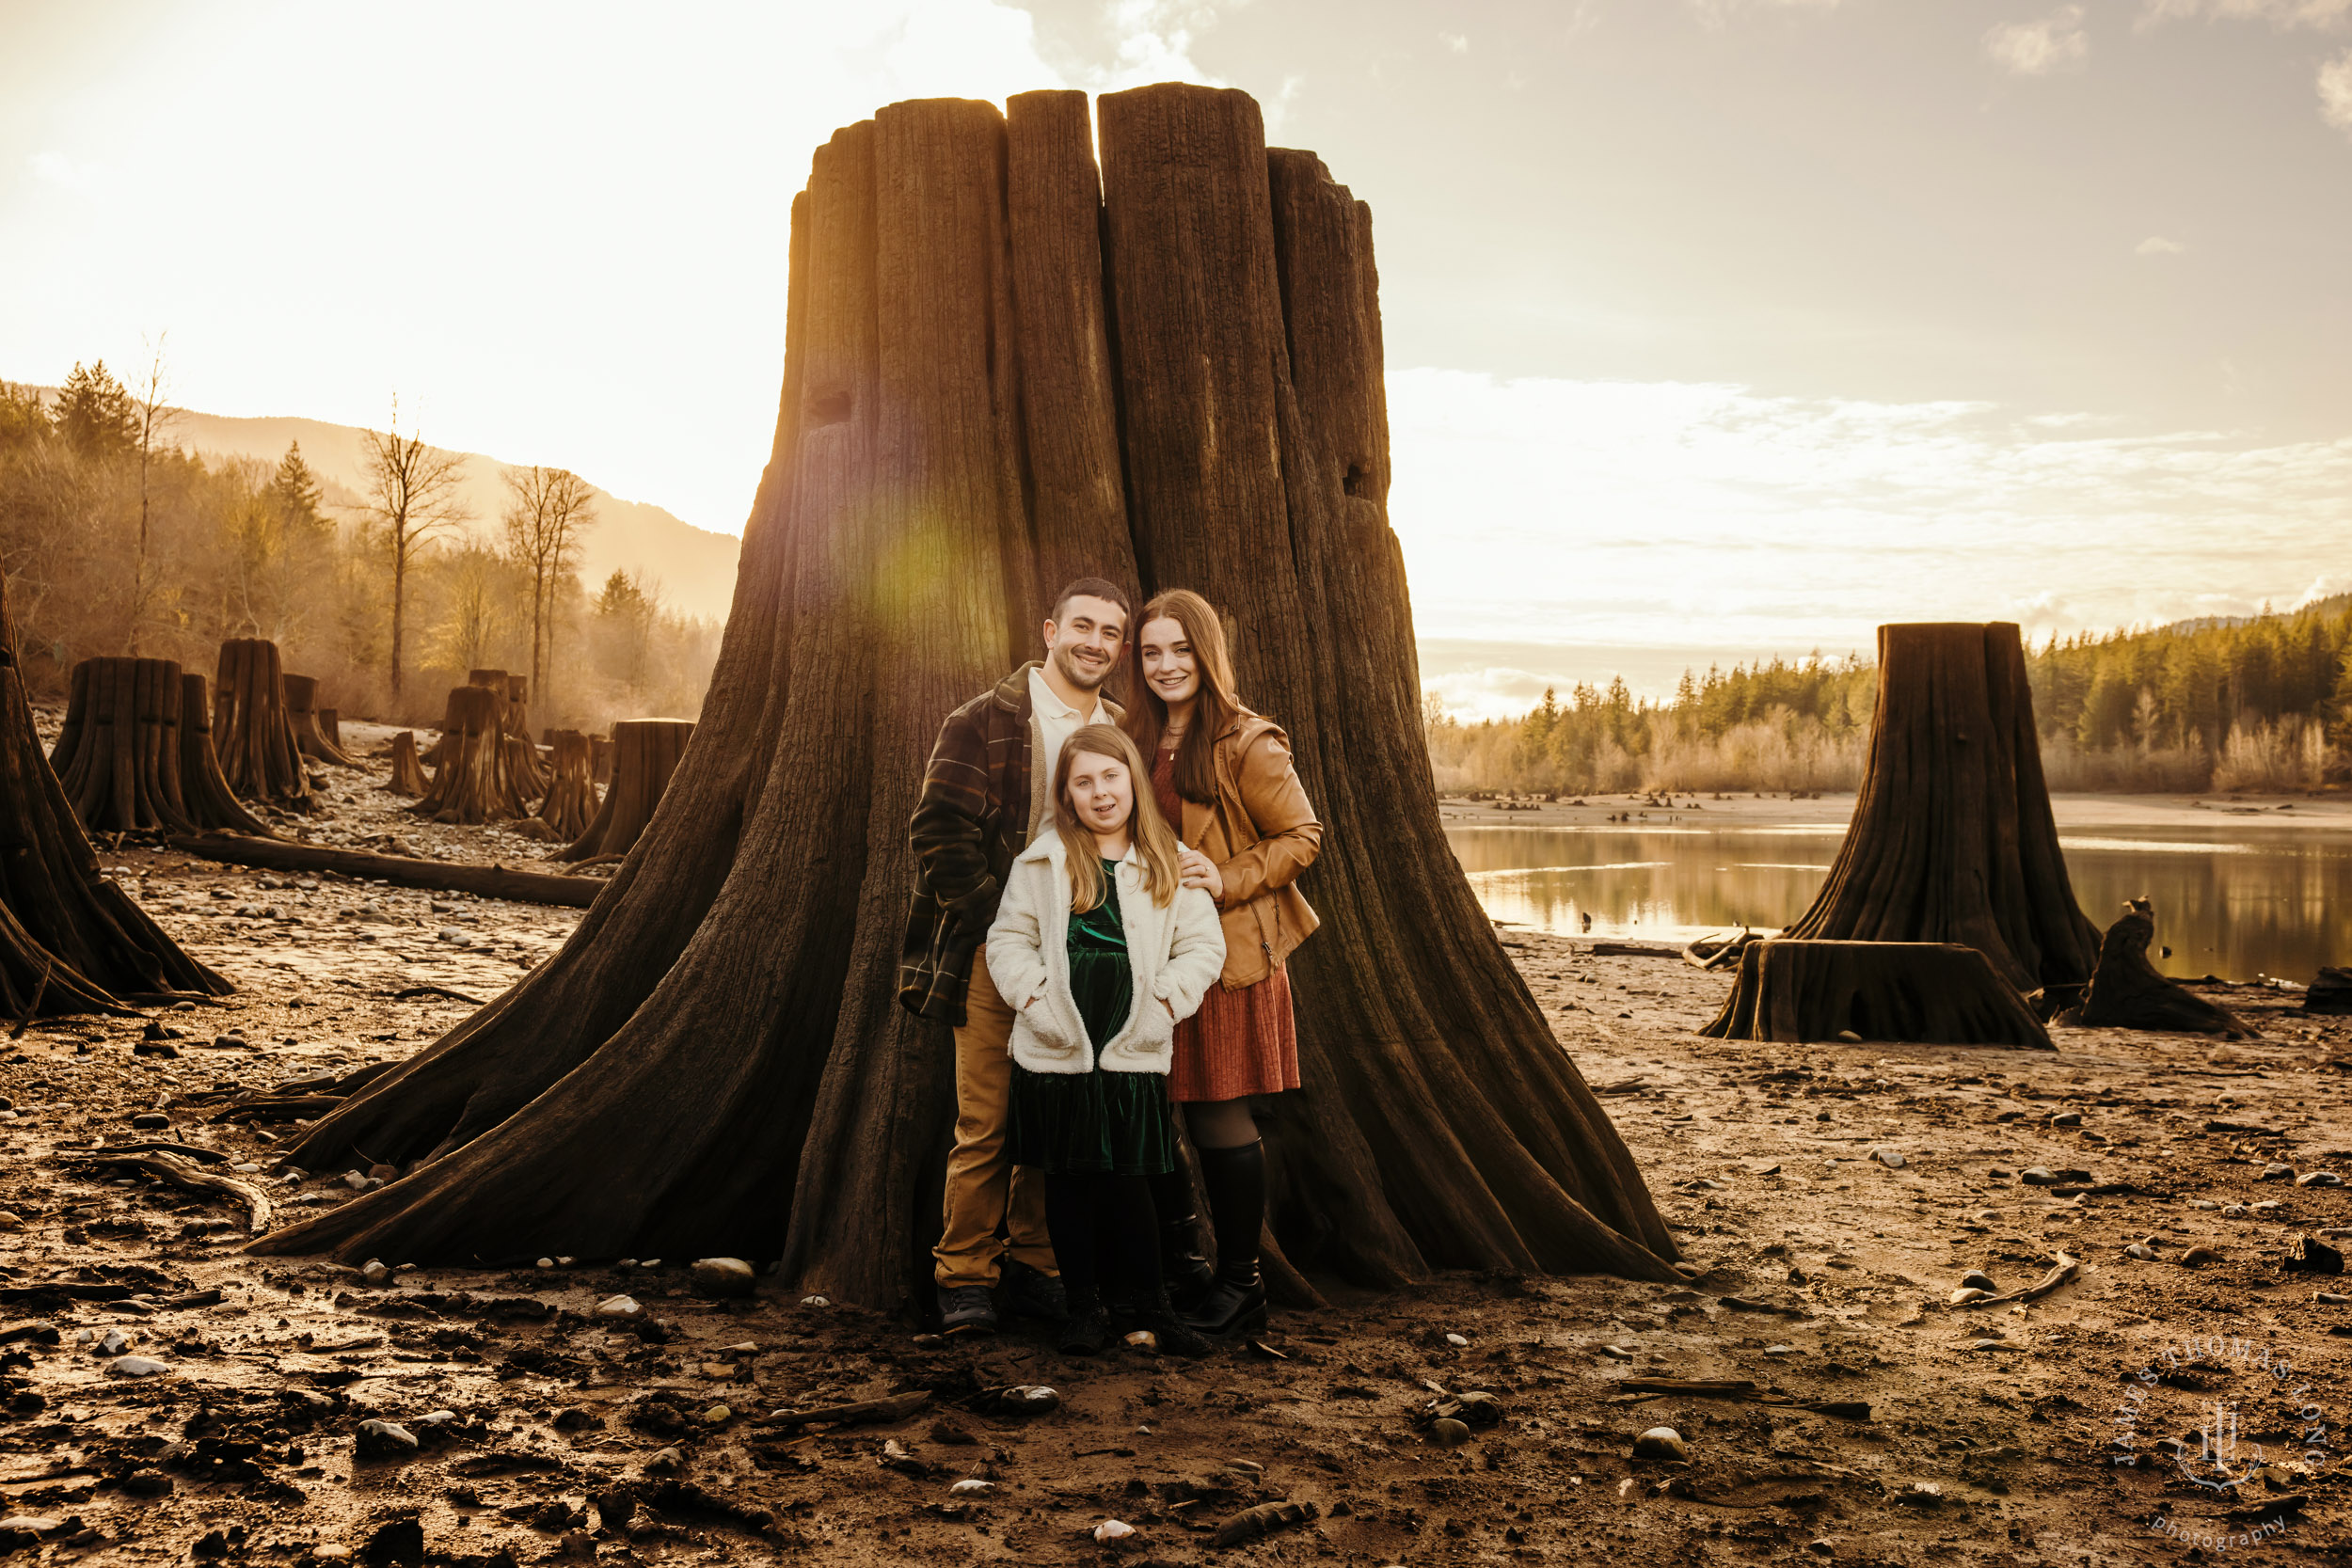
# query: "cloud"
(1456, 42)
(2056, 42)
(51, 167)
(2278, 14)
(2335, 91)
(1154, 42)
(2156, 244)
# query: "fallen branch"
(40, 989)
(485, 881)
(192, 1151)
(406, 991)
(293, 1109)
(1636, 1390)
(859, 1413)
(1265, 1519)
(193, 1178)
(2066, 1268)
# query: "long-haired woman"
(1223, 775)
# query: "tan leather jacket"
(1262, 834)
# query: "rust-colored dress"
(1242, 1041)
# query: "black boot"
(1087, 1329)
(1150, 1310)
(1234, 1181)
(1183, 1269)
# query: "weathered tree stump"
(472, 785)
(407, 772)
(117, 757)
(600, 760)
(331, 726)
(2128, 992)
(716, 1061)
(253, 733)
(570, 805)
(70, 941)
(1924, 993)
(1952, 839)
(2330, 991)
(205, 796)
(302, 712)
(645, 752)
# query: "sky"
(1716, 328)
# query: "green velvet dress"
(1115, 1122)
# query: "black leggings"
(1106, 1235)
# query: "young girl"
(1101, 950)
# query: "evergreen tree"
(294, 491)
(96, 415)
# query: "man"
(984, 798)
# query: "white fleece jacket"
(1177, 952)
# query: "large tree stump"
(1952, 839)
(117, 757)
(407, 772)
(252, 734)
(2129, 993)
(472, 785)
(70, 941)
(645, 752)
(302, 712)
(570, 805)
(716, 1062)
(205, 796)
(1922, 992)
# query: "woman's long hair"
(1213, 707)
(1155, 841)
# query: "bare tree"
(155, 421)
(412, 494)
(548, 511)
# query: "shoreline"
(2330, 813)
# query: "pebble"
(147, 1483)
(619, 1307)
(373, 1271)
(2140, 1250)
(1966, 1294)
(114, 1343)
(1848, 1037)
(386, 1440)
(2319, 1179)
(665, 1462)
(150, 1120)
(1660, 1443)
(718, 1415)
(135, 1366)
(1458, 1341)
(1447, 1433)
(1888, 1157)
(2198, 1257)
(929, 1341)
(971, 1488)
(1615, 1353)
(722, 1276)
(2036, 1176)
(2067, 1118)
(356, 1180)
(1112, 1530)
(814, 1301)
(10, 1221)
(1143, 1339)
(1979, 1279)
(2277, 1173)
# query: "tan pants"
(984, 1190)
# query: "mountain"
(694, 567)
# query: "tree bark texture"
(209, 805)
(70, 941)
(1924, 993)
(302, 712)
(1952, 839)
(571, 797)
(118, 755)
(472, 785)
(253, 733)
(407, 771)
(978, 403)
(645, 753)
(2128, 992)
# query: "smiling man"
(984, 798)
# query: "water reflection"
(2236, 905)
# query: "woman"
(1223, 776)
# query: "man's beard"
(1065, 661)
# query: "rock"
(10, 1221)
(1143, 1339)
(374, 1273)
(809, 1301)
(1966, 1294)
(19, 1531)
(2319, 1179)
(1849, 1038)
(386, 1440)
(1447, 1433)
(1888, 1157)
(2036, 1176)
(1024, 1399)
(114, 1343)
(544, 1263)
(929, 1341)
(2310, 1255)
(619, 1307)
(2276, 1173)
(385, 1172)
(1821, 1547)
(665, 1462)
(2067, 1118)
(721, 1277)
(399, 1543)
(1660, 1443)
(147, 1483)
(971, 1488)
(135, 1366)
(1979, 1280)
(356, 1180)
(1112, 1530)
(615, 1508)
(1458, 1341)
(1923, 1493)
(719, 1415)
(2198, 1257)
(2329, 1298)
(1796, 1277)
(150, 1120)
(2140, 1250)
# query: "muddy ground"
(1881, 1424)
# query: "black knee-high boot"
(1234, 1182)
(1183, 1269)
(1074, 1209)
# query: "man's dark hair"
(1091, 588)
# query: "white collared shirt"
(1057, 722)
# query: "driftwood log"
(1952, 838)
(407, 771)
(570, 805)
(117, 757)
(205, 797)
(2128, 992)
(1925, 992)
(716, 1062)
(302, 712)
(70, 941)
(645, 753)
(483, 882)
(251, 732)
(472, 785)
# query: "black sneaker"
(1033, 1294)
(966, 1309)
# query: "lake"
(2234, 902)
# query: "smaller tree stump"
(117, 757)
(302, 712)
(472, 785)
(407, 772)
(1921, 992)
(645, 753)
(600, 760)
(570, 805)
(204, 792)
(251, 733)
(518, 705)
(331, 726)
(2127, 993)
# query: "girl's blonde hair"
(1155, 841)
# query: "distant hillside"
(694, 567)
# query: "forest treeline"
(2262, 704)
(117, 541)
